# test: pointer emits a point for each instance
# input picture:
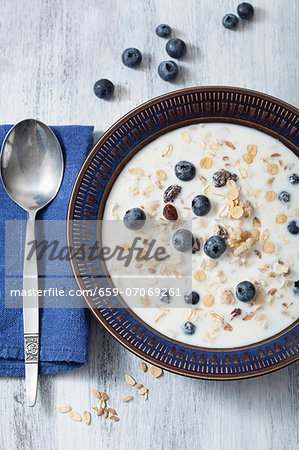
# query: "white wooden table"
(51, 53)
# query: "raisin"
(221, 177)
(196, 246)
(170, 213)
(236, 312)
(171, 193)
(222, 232)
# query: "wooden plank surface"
(51, 53)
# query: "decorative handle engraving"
(31, 349)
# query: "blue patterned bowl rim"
(94, 181)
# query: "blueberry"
(294, 178)
(165, 296)
(185, 170)
(215, 246)
(103, 88)
(230, 21)
(168, 70)
(245, 291)
(163, 30)
(183, 240)
(189, 328)
(293, 227)
(284, 196)
(176, 48)
(201, 205)
(192, 298)
(245, 11)
(131, 57)
(134, 219)
(296, 287)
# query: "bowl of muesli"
(208, 175)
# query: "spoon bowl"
(31, 164)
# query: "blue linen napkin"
(64, 332)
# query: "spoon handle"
(30, 314)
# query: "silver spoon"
(31, 172)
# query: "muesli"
(234, 190)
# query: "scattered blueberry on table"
(184, 171)
(176, 48)
(168, 70)
(245, 11)
(201, 205)
(183, 240)
(284, 196)
(131, 57)
(134, 219)
(163, 30)
(296, 287)
(294, 178)
(189, 328)
(293, 227)
(192, 298)
(245, 291)
(215, 246)
(230, 21)
(103, 88)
